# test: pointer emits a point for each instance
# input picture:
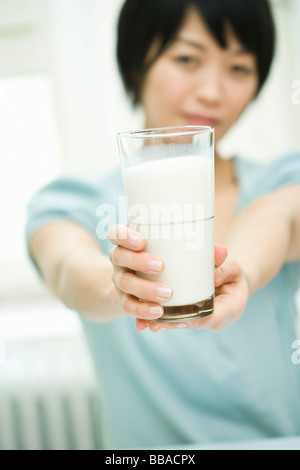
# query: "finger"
(227, 309)
(157, 327)
(211, 322)
(141, 261)
(215, 322)
(228, 272)
(221, 254)
(224, 313)
(129, 283)
(128, 238)
(141, 310)
(162, 326)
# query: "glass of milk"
(168, 176)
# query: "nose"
(209, 88)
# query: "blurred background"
(61, 105)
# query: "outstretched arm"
(262, 239)
(266, 235)
(76, 270)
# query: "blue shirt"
(189, 386)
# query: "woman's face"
(196, 82)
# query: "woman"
(198, 63)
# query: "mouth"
(199, 120)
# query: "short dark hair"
(142, 21)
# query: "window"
(30, 157)
(30, 153)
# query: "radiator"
(48, 397)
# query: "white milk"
(171, 202)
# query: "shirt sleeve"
(75, 200)
(284, 171)
(64, 198)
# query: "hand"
(231, 296)
(127, 258)
(231, 285)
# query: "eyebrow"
(240, 51)
(191, 43)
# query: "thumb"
(221, 254)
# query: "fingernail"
(156, 310)
(164, 292)
(155, 265)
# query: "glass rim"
(165, 132)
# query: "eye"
(186, 59)
(241, 70)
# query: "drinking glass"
(168, 176)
